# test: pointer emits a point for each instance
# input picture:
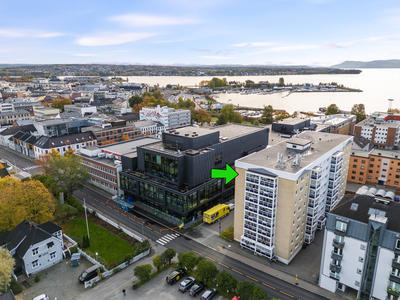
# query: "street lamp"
(143, 230)
(96, 256)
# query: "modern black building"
(291, 125)
(172, 178)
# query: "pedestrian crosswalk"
(29, 168)
(167, 238)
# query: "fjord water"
(378, 85)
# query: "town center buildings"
(283, 192)
(172, 178)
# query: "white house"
(34, 247)
(75, 141)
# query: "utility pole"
(87, 225)
(143, 230)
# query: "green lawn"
(110, 247)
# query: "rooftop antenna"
(278, 159)
(390, 105)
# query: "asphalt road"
(22, 162)
(275, 287)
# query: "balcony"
(394, 278)
(335, 268)
(336, 256)
(393, 291)
(395, 264)
(340, 232)
(334, 276)
(337, 244)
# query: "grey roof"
(9, 295)
(386, 153)
(45, 142)
(360, 141)
(13, 113)
(50, 227)
(143, 123)
(292, 121)
(366, 202)
(321, 144)
(129, 117)
(360, 153)
(15, 129)
(129, 146)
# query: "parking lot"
(59, 281)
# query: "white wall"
(350, 262)
(43, 255)
(384, 268)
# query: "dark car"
(209, 294)
(175, 276)
(88, 274)
(186, 284)
(197, 288)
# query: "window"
(353, 172)
(361, 173)
(341, 226)
(35, 263)
(52, 255)
(398, 244)
(338, 251)
(359, 271)
(357, 283)
(371, 165)
(373, 159)
(353, 177)
(396, 182)
(361, 259)
(370, 171)
(362, 167)
(35, 251)
(360, 179)
(339, 239)
(50, 245)
(363, 161)
(355, 160)
(354, 166)
(369, 177)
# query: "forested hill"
(391, 63)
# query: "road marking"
(210, 258)
(197, 252)
(287, 294)
(157, 232)
(224, 265)
(132, 218)
(271, 287)
(102, 203)
(237, 271)
(252, 278)
(147, 227)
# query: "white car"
(231, 206)
(41, 297)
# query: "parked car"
(231, 206)
(197, 288)
(175, 276)
(235, 298)
(88, 274)
(75, 259)
(209, 294)
(186, 284)
(41, 297)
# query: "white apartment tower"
(283, 192)
(361, 248)
(171, 118)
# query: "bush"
(122, 235)
(73, 249)
(15, 286)
(143, 272)
(112, 265)
(128, 258)
(116, 270)
(228, 233)
(78, 240)
(71, 200)
(65, 212)
(37, 278)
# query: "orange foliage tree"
(125, 137)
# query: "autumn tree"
(267, 116)
(281, 81)
(143, 272)
(20, 200)
(359, 111)
(125, 137)
(202, 116)
(59, 103)
(280, 115)
(6, 268)
(67, 171)
(135, 100)
(108, 142)
(230, 115)
(157, 94)
(221, 120)
(332, 109)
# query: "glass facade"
(161, 166)
(181, 203)
(128, 184)
(152, 192)
(210, 191)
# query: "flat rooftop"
(332, 119)
(386, 153)
(226, 132)
(292, 121)
(360, 153)
(321, 143)
(123, 148)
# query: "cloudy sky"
(311, 32)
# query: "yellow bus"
(215, 213)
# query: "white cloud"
(142, 20)
(85, 54)
(252, 44)
(112, 38)
(287, 48)
(16, 33)
(216, 57)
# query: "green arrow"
(228, 174)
